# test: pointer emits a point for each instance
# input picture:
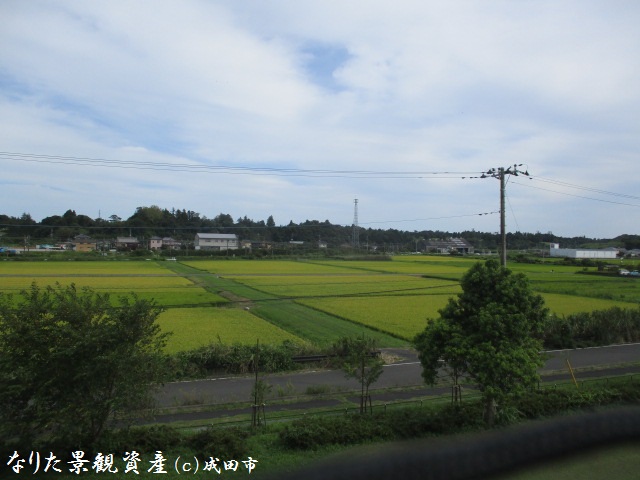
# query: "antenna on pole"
(355, 240)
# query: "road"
(405, 372)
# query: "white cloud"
(363, 85)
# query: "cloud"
(409, 87)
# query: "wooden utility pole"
(503, 234)
(501, 174)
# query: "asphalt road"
(405, 372)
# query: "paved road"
(405, 372)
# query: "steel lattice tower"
(355, 240)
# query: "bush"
(588, 329)
(219, 442)
(236, 358)
(414, 422)
(310, 433)
(141, 439)
(406, 423)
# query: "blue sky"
(176, 94)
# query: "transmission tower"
(355, 240)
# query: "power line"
(587, 198)
(588, 189)
(226, 169)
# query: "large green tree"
(491, 333)
(71, 361)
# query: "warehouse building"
(556, 251)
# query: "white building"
(555, 251)
(216, 241)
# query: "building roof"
(212, 236)
(448, 243)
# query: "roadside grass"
(195, 327)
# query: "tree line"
(182, 224)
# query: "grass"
(621, 462)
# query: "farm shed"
(216, 241)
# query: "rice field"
(59, 268)
(293, 286)
(195, 327)
(567, 304)
(309, 301)
(402, 316)
(148, 280)
(265, 267)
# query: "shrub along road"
(405, 372)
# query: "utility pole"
(503, 234)
(501, 174)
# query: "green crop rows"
(317, 302)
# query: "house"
(83, 243)
(167, 243)
(155, 243)
(216, 241)
(448, 245)
(171, 244)
(127, 243)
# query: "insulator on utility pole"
(501, 174)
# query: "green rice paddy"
(236, 300)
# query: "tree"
(360, 361)
(271, 222)
(71, 362)
(491, 333)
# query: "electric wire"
(226, 169)
(311, 173)
(584, 197)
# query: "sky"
(295, 109)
